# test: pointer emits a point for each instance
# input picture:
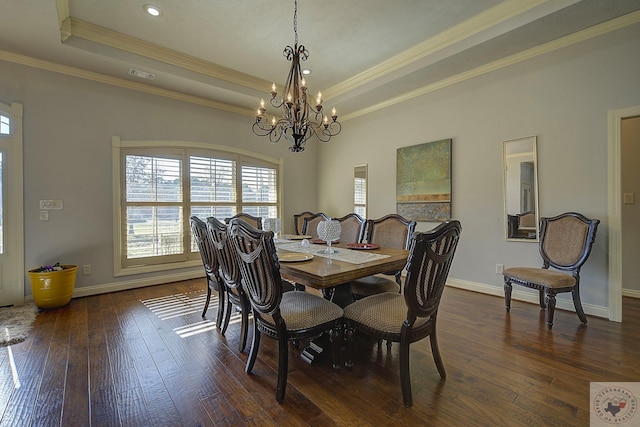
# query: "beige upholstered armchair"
(565, 244)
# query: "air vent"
(141, 74)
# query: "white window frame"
(192, 259)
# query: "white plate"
(296, 236)
(294, 257)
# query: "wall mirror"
(360, 190)
(521, 189)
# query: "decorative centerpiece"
(329, 231)
(52, 285)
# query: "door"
(11, 206)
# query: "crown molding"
(115, 81)
(106, 37)
(571, 39)
(464, 31)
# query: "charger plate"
(294, 257)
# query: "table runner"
(342, 254)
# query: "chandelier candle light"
(299, 119)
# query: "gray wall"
(68, 125)
(561, 97)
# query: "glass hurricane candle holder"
(329, 231)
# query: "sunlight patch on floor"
(171, 306)
(185, 304)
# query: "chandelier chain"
(295, 21)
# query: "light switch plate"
(44, 215)
(629, 198)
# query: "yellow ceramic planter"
(53, 289)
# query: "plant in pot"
(52, 285)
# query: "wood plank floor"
(145, 357)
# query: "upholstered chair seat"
(301, 311)
(384, 312)
(366, 285)
(541, 277)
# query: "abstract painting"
(423, 181)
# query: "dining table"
(309, 264)
(331, 273)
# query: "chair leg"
(255, 344)
(283, 367)
(405, 379)
(227, 316)
(578, 305)
(336, 337)
(221, 304)
(507, 294)
(206, 303)
(244, 326)
(543, 303)
(435, 351)
(550, 300)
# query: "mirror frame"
(532, 235)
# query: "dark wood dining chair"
(284, 316)
(565, 244)
(310, 224)
(409, 317)
(391, 231)
(210, 263)
(254, 221)
(352, 228)
(298, 220)
(229, 273)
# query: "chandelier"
(299, 119)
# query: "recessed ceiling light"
(152, 10)
(306, 71)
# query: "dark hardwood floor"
(145, 357)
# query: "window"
(162, 187)
(360, 190)
(5, 125)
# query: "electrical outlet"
(499, 268)
(86, 269)
(629, 199)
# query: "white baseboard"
(526, 296)
(632, 293)
(517, 294)
(86, 291)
